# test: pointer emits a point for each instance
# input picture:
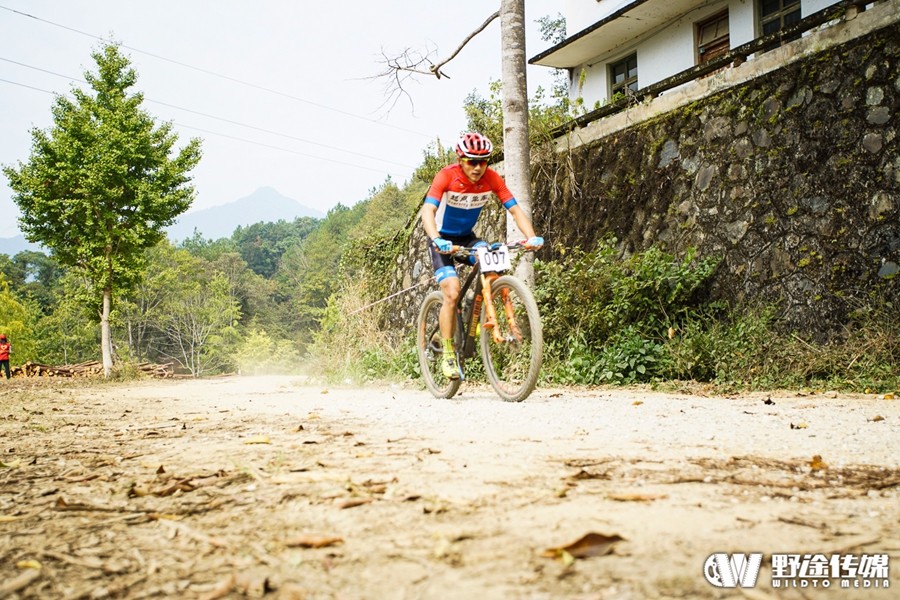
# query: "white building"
(622, 45)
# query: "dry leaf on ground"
(313, 541)
(590, 544)
(637, 497)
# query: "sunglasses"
(475, 162)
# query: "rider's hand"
(534, 243)
(443, 246)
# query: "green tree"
(309, 271)
(206, 248)
(141, 310)
(100, 185)
(387, 210)
(199, 325)
(262, 245)
(68, 334)
(33, 275)
(260, 354)
(17, 322)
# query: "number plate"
(493, 260)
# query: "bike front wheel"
(512, 357)
(430, 347)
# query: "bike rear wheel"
(430, 348)
(513, 364)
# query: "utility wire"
(280, 148)
(238, 123)
(221, 76)
(225, 135)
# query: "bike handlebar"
(519, 245)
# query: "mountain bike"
(496, 308)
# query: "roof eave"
(571, 46)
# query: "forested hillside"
(249, 302)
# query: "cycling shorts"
(443, 264)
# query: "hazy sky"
(281, 92)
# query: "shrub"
(617, 313)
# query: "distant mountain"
(264, 205)
(13, 245)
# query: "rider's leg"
(447, 320)
(450, 289)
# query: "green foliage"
(553, 29)
(186, 309)
(434, 159)
(730, 346)
(100, 187)
(200, 326)
(619, 311)
(208, 249)
(68, 335)
(627, 358)
(17, 321)
(486, 114)
(33, 275)
(350, 346)
(262, 245)
(600, 295)
(308, 273)
(255, 301)
(645, 318)
(260, 354)
(387, 210)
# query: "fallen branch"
(19, 582)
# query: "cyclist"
(452, 205)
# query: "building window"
(775, 15)
(712, 38)
(623, 75)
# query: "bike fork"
(511, 315)
(491, 320)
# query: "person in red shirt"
(451, 209)
(5, 348)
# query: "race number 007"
(493, 260)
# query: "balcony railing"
(734, 57)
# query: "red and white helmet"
(474, 145)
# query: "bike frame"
(469, 317)
(496, 312)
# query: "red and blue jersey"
(459, 201)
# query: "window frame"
(715, 47)
(628, 81)
(787, 8)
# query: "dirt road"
(267, 487)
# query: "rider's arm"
(522, 220)
(429, 222)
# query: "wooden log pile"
(157, 370)
(85, 369)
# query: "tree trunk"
(514, 99)
(105, 337)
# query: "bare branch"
(409, 63)
(436, 70)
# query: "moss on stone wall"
(793, 178)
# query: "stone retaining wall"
(792, 177)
